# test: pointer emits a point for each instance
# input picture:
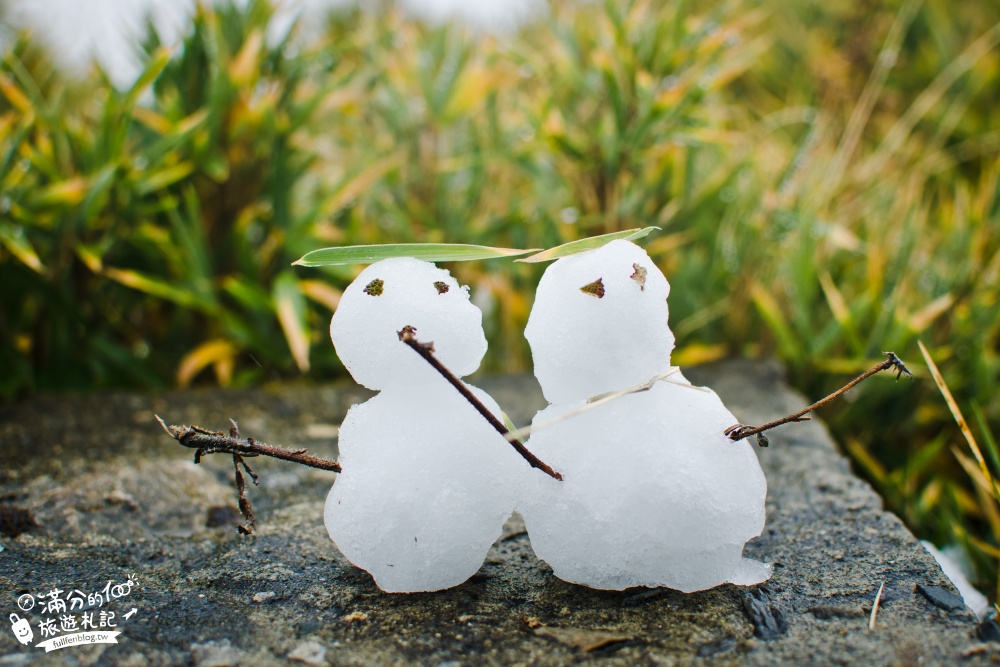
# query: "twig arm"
(215, 442)
(203, 442)
(426, 350)
(738, 432)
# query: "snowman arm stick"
(738, 432)
(204, 442)
(426, 350)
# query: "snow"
(427, 482)
(654, 494)
(365, 327)
(583, 345)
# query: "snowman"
(653, 494)
(427, 483)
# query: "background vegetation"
(826, 175)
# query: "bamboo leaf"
(14, 240)
(321, 293)
(771, 311)
(210, 352)
(69, 192)
(158, 62)
(14, 95)
(429, 252)
(90, 256)
(291, 308)
(841, 312)
(246, 65)
(165, 177)
(152, 286)
(357, 183)
(583, 245)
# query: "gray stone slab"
(114, 497)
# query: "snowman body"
(426, 483)
(653, 494)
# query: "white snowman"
(653, 494)
(427, 483)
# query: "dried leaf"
(579, 638)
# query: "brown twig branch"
(738, 432)
(426, 350)
(205, 442)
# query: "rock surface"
(113, 496)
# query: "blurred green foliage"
(826, 176)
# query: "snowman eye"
(639, 275)
(595, 288)
(441, 287)
(374, 288)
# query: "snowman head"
(399, 292)
(599, 323)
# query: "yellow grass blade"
(959, 418)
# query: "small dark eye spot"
(441, 287)
(374, 288)
(595, 288)
(639, 275)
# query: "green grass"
(825, 176)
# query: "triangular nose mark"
(595, 288)
(374, 288)
(639, 275)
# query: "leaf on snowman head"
(428, 252)
(583, 245)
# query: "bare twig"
(426, 350)
(738, 432)
(246, 508)
(205, 442)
